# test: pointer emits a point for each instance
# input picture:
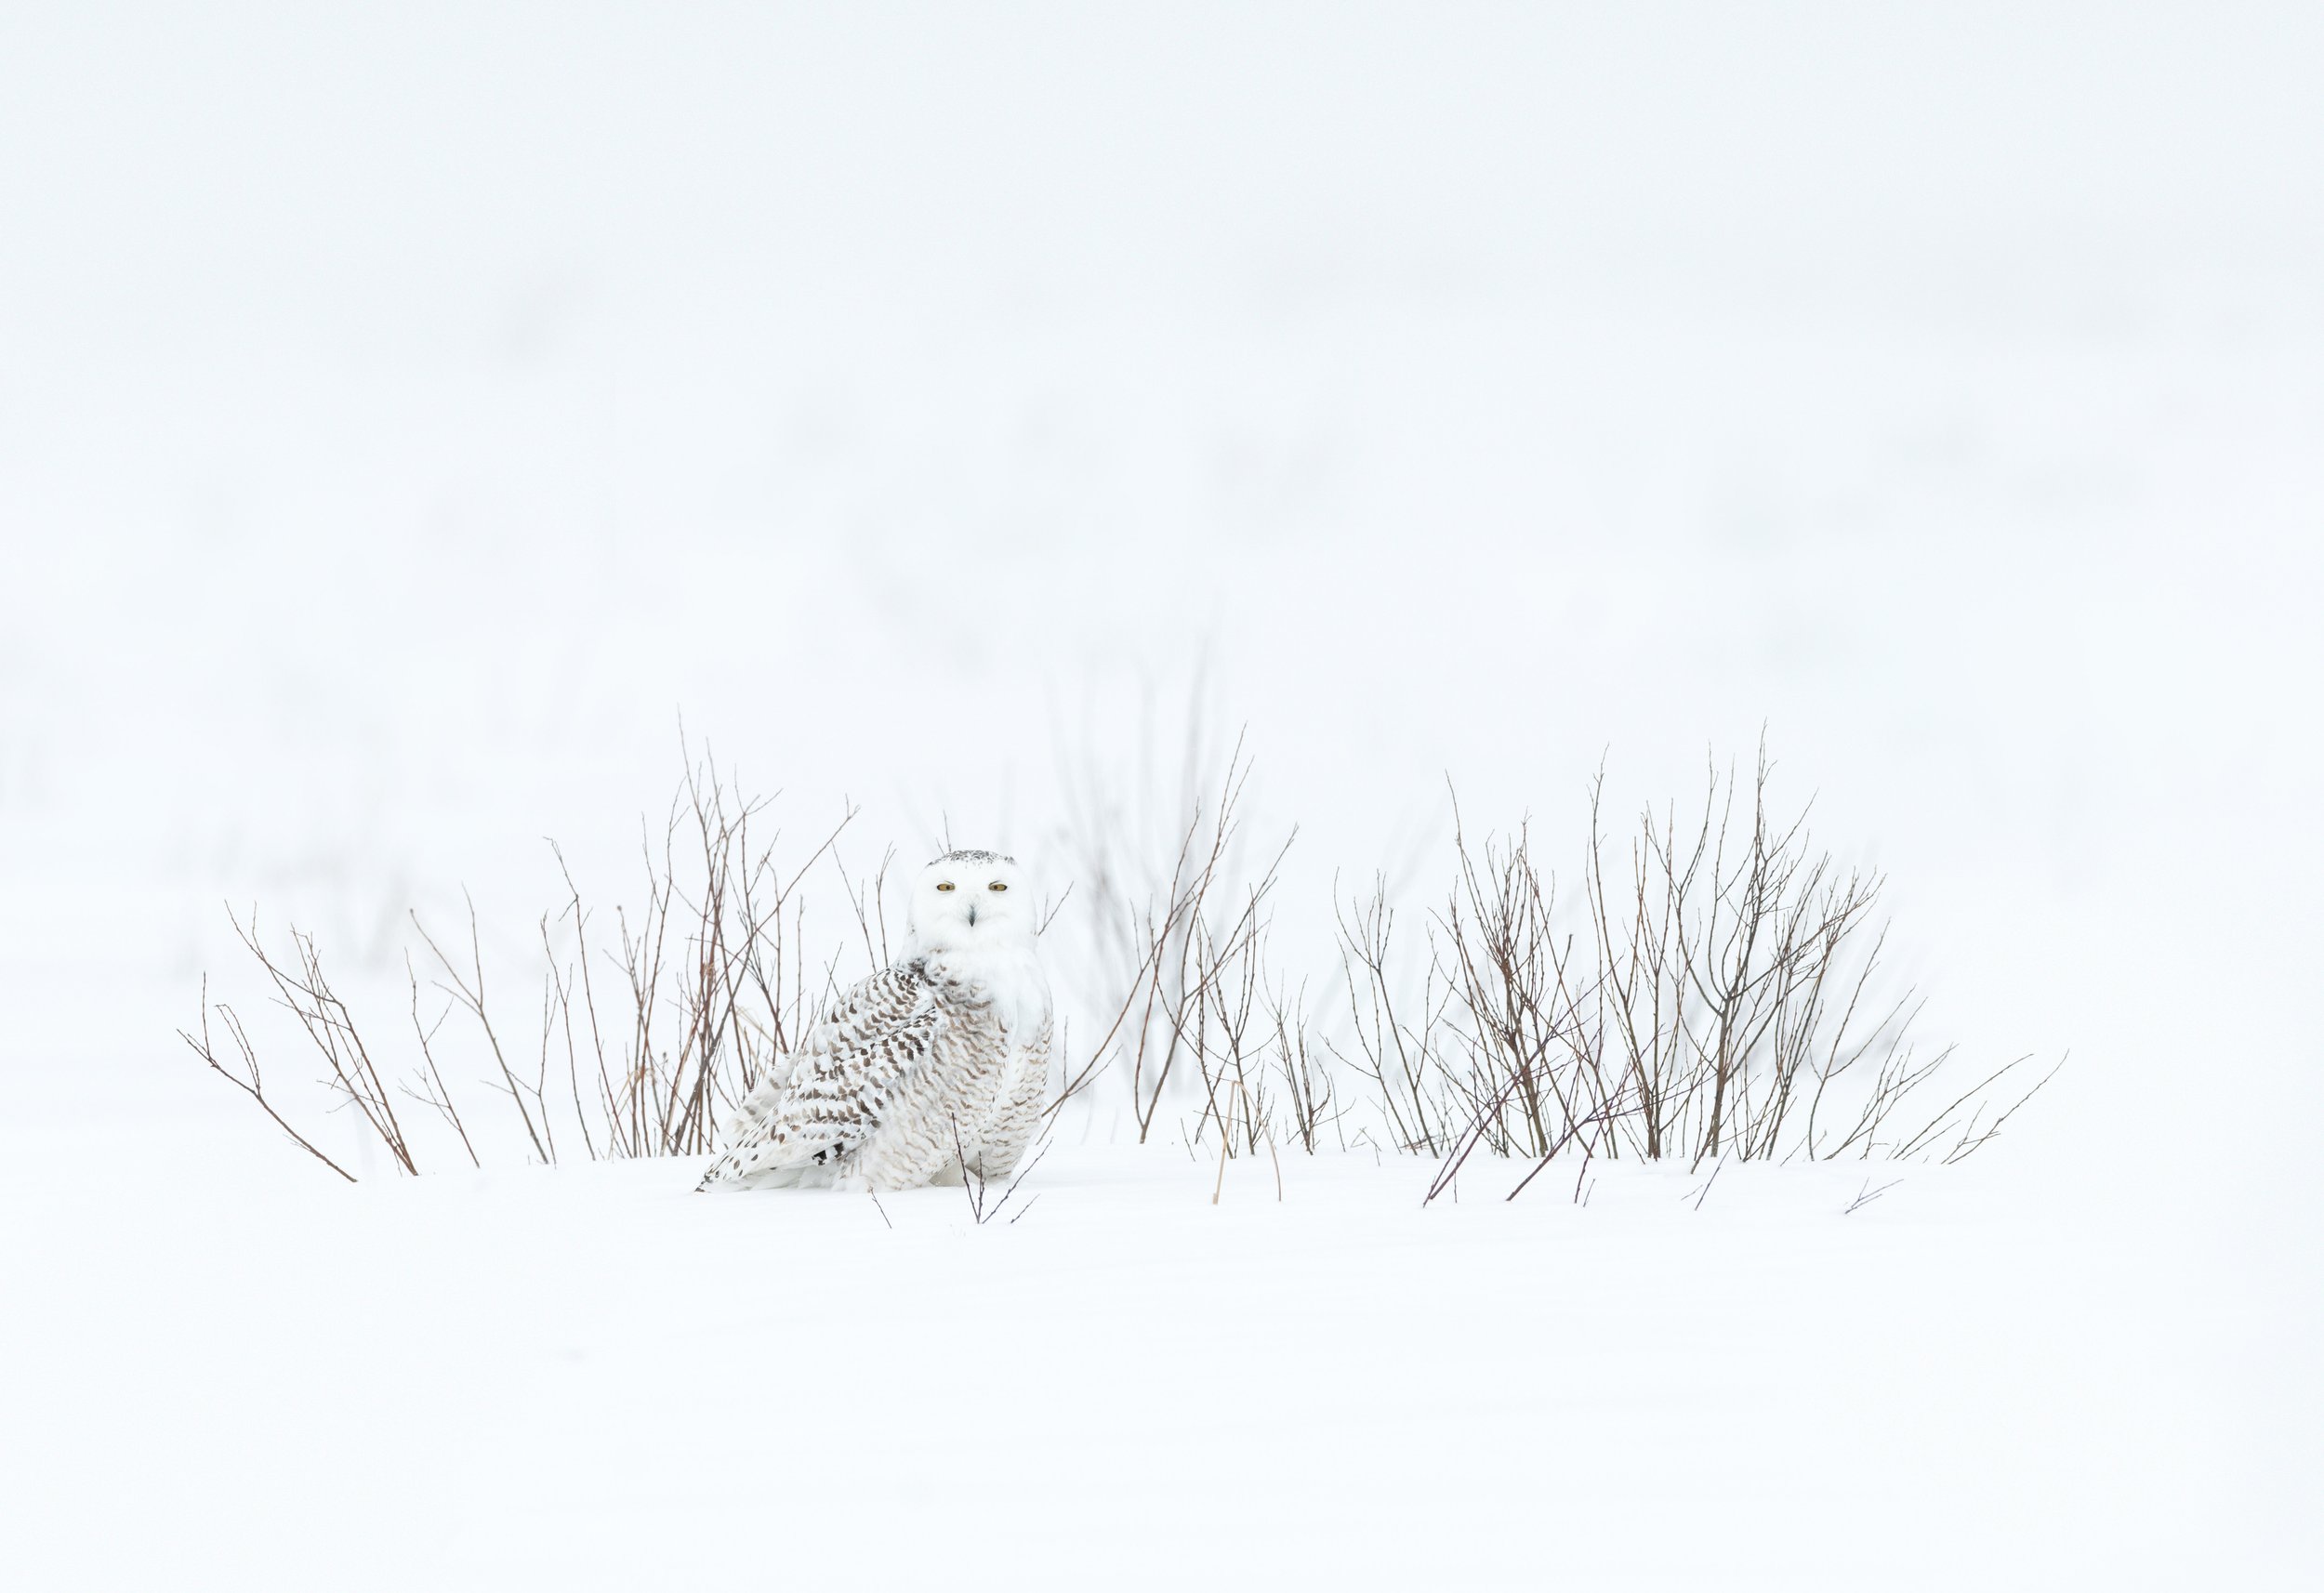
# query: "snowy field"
(408, 414)
(591, 1378)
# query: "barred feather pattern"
(939, 1059)
(1007, 1127)
(893, 1002)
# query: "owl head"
(970, 898)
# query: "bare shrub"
(1529, 1077)
(1230, 1038)
(1172, 954)
(1723, 1000)
(1311, 1099)
(246, 1077)
(350, 1078)
(1395, 1049)
(645, 1037)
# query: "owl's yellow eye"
(944, 885)
(997, 884)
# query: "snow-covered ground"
(593, 1379)
(406, 414)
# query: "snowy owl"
(942, 1056)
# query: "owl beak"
(971, 914)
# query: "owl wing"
(884, 1001)
(828, 1097)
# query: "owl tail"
(745, 1133)
(761, 1161)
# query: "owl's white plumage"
(937, 1060)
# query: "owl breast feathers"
(939, 1061)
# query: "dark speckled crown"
(974, 856)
